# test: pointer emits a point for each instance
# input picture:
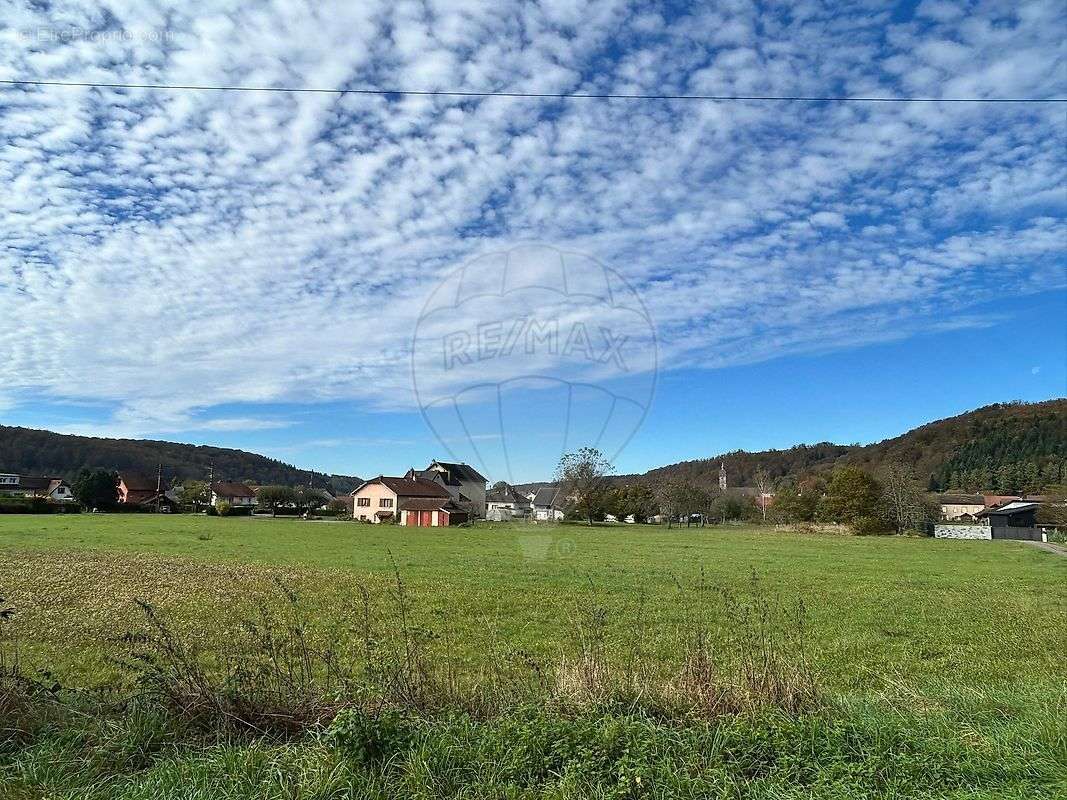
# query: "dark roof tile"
(409, 487)
(461, 472)
(230, 489)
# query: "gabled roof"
(506, 495)
(427, 504)
(229, 489)
(33, 482)
(962, 500)
(136, 482)
(547, 496)
(407, 487)
(1014, 507)
(458, 472)
(157, 498)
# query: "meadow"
(941, 663)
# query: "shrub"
(35, 505)
(868, 526)
(224, 509)
(372, 738)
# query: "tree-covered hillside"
(741, 466)
(35, 452)
(1007, 447)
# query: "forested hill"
(741, 465)
(33, 452)
(1007, 447)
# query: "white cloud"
(171, 252)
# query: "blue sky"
(265, 271)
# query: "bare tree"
(763, 484)
(703, 502)
(669, 497)
(903, 497)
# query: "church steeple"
(722, 476)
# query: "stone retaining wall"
(963, 532)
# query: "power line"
(538, 95)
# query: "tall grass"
(280, 675)
(382, 708)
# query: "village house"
(506, 503)
(134, 488)
(56, 490)
(548, 503)
(409, 500)
(464, 484)
(59, 491)
(960, 506)
(238, 495)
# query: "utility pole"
(210, 480)
(159, 485)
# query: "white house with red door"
(411, 501)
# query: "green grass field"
(957, 638)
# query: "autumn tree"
(195, 494)
(309, 498)
(1054, 510)
(851, 494)
(583, 479)
(275, 497)
(726, 507)
(798, 502)
(635, 499)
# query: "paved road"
(1058, 549)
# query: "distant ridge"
(962, 452)
(38, 452)
(989, 447)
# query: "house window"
(362, 501)
(386, 502)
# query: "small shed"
(1014, 520)
(430, 512)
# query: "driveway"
(1058, 549)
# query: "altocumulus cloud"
(166, 253)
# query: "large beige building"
(409, 500)
(958, 506)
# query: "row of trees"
(1020, 476)
(99, 489)
(300, 498)
(895, 500)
